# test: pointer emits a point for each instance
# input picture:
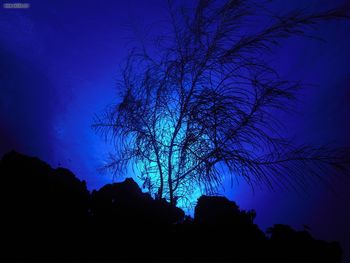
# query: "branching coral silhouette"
(209, 98)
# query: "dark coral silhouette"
(125, 203)
(48, 214)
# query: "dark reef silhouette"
(49, 215)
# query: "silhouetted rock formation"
(48, 214)
(126, 203)
(219, 210)
(296, 245)
(40, 207)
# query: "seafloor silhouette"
(48, 215)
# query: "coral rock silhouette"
(125, 203)
(48, 214)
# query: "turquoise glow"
(147, 172)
